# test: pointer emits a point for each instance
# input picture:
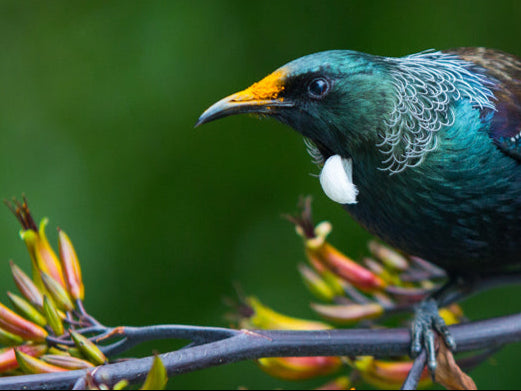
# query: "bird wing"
(505, 126)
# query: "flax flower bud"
(340, 383)
(346, 268)
(15, 324)
(265, 318)
(8, 360)
(88, 348)
(43, 256)
(9, 339)
(348, 313)
(290, 368)
(316, 284)
(26, 309)
(387, 375)
(299, 368)
(389, 257)
(30, 365)
(323, 255)
(71, 267)
(26, 286)
(58, 293)
(53, 319)
(67, 362)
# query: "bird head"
(335, 98)
(373, 113)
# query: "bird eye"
(318, 88)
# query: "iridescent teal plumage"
(433, 139)
(460, 206)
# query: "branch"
(244, 345)
(133, 336)
(411, 382)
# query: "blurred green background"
(97, 105)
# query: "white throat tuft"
(336, 179)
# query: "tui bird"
(424, 151)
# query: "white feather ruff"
(336, 179)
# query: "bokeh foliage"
(97, 104)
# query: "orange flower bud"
(26, 286)
(323, 255)
(26, 309)
(31, 365)
(8, 357)
(43, 256)
(8, 360)
(348, 269)
(299, 368)
(15, 324)
(388, 375)
(71, 267)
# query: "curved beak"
(261, 98)
(231, 105)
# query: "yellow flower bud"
(53, 319)
(30, 365)
(88, 348)
(265, 318)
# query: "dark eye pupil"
(318, 88)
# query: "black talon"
(443, 330)
(427, 322)
(429, 340)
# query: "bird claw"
(427, 321)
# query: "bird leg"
(427, 320)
